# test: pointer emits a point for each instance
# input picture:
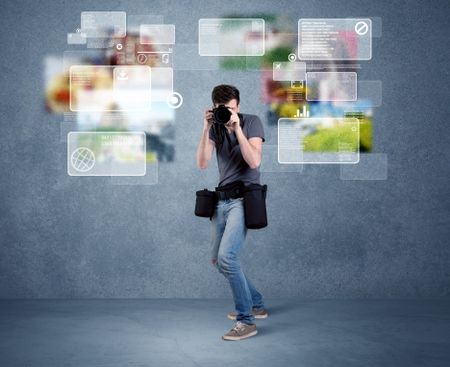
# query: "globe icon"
(82, 159)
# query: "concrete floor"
(180, 332)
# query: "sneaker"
(241, 331)
(260, 314)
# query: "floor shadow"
(282, 307)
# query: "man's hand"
(235, 123)
(208, 119)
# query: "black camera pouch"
(205, 203)
(255, 206)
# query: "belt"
(233, 192)
(223, 195)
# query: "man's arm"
(206, 145)
(251, 148)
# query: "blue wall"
(75, 237)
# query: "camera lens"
(221, 114)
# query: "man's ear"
(238, 107)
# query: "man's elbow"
(255, 165)
(202, 165)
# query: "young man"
(238, 158)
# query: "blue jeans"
(228, 237)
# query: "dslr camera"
(221, 115)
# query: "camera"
(221, 114)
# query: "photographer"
(238, 139)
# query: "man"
(238, 145)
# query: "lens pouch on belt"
(205, 203)
(255, 206)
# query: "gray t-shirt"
(232, 166)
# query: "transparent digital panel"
(289, 71)
(100, 43)
(104, 23)
(231, 37)
(371, 167)
(335, 39)
(331, 86)
(106, 154)
(110, 88)
(156, 34)
(76, 38)
(318, 140)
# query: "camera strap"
(221, 130)
(228, 139)
(227, 135)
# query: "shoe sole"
(256, 317)
(240, 337)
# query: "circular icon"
(142, 58)
(361, 28)
(119, 46)
(82, 159)
(292, 57)
(174, 100)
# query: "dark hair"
(224, 93)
